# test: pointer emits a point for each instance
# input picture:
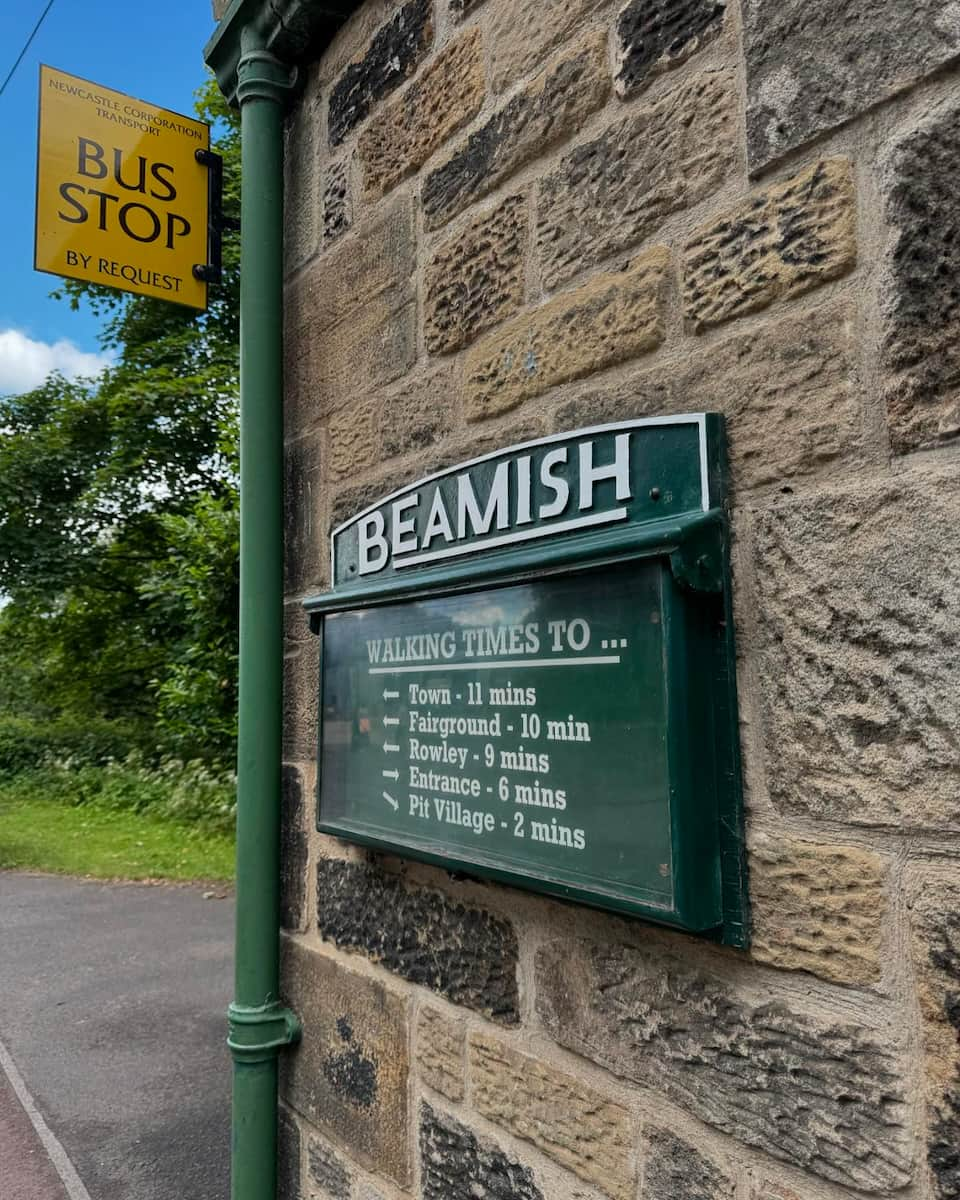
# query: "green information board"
(527, 674)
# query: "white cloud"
(25, 363)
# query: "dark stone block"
(676, 1171)
(293, 850)
(655, 35)
(391, 57)
(826, 1097)
(814, 64)
(337, 215)
(463, 953)
(943, 1147)
(921, 293)
(327, 1171)
(456, 1165)
(288, 1157)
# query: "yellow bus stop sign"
(121, 198)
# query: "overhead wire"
(26, 46)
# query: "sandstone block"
(441, 1045)
(789, 393)
(776, 245)
(935, 921)
(380, 257)
(406, 132)
(572, 1123)
(463, 953)
(337, 208)
(817, 908)
(394, 53)
(655, 35)
(327, 1171)
(814, 64)
(859, 607)
(674, 1170)
(919, 297)
(551, 107)
(828, 1098)
(355, 439)
(302, 522)
(609, 320)
(417, 415)
(300, 202)
(301, 691)
(522, 35)
(619, 188)
(454, 1162)
(462, 8)
(349, 1074)
(476, 278)
(293, 849)
(288, 1156)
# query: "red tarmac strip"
(25, 1171)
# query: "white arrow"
(390, 774)
(390, 800)
(391, 720)
(391, 695)
(390, 748)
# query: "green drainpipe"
(259, 1026)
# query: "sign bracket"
(217, 223)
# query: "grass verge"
(43, 834)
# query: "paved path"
(114, 1077)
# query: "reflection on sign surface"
(121, 199)
(523, 726)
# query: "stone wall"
(508, 218)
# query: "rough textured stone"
(349, 1074)
(776, 245)
(476, 278)
(569, 1121)
(618, 189)
(440, 1052)
(465, 954)
(420, 412)
(920, 288)
(392, 55)
(935, 918)
(302, 523)
(611, 319)
(355, 438)
(337, 208)
(655, 35)
(288, 1157)
(293, 849)
(456, 1165)
(522, 35)
(327, 1171)
(406, 132)
(674, 1170)
(462, 8)
(817, 908)
(301, 698)
(826, 1097)
(301, 170)
(814, 64)
(859, 611)
(550, 108)
(789, 392)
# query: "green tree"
(118, 516)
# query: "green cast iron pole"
(259, 1025)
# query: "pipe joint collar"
(262, 76)
(259, 1034)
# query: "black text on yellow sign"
(121, 198)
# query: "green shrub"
(26, 744)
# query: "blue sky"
(151, 51)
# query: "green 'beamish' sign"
(527, 673)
